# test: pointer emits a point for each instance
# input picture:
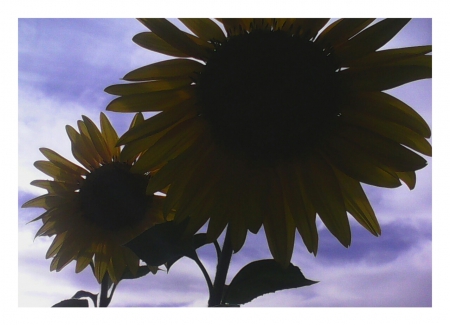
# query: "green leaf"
(72, 303)
(83, 294)
(142, 271)
(198, 241)
(162, 243)
(261, 277)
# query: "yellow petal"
(175, 169)
(341, 30)
(369, 40)
(357, 203)
(278, 225)
(389, 130)
(173, 36)
(102, 257)
(97, 140)
(175, 69)
(57, 173)
(151, 102)
(171, 144)
(235, 26)
(384, 150)
(59, 188)
(131, 150)
(308, 27)
(326, 196)
(392, 56)
(79, 150)
(147, 86)
(62, 162)
(298, 205)
(409, 178)
(56, 245)
(110, 136)
(153, 42)
(161, 121)
(381, 78)
(84, 258)
(387, 107)
(204, 28)
(358, 165)
(87, 141)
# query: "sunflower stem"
(104, 301)
(218, 251)
(215, 298)
(205, 273)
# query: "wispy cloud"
(64, 65)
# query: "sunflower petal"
(235, 26)
(57, 173)
(102, 258)
(161, 121)
(382, 149)
(389, 108)
(173, 36)
(298, 206)
(151, 102)
(84, 258)
(97, 140)
(393, 56)
(308, 27)
(341, 30)
(409, 178)
(62, 162)
(56, 187)
(87, 141)
(204, 28)
(174, 69)
(133, 149)
(390, 130)
(117, 264)
(174, 142)
(110, 136)
(381, 78)
(56, 245)
(326, 196)
(153, 42)
(147, 86)
(359, 166)
(357, 203)
(278, 225)
(79, 150)
(369, 40)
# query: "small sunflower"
(271, 123)
(94, 210)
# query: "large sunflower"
(272, 123)
(96, 209)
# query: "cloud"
(64, 65)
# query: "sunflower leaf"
(72, 303)
(142, 271)
(199, 240)
(83, 294)
(162, 243)
(262, 277)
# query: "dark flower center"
(267, 94)
(113, 198)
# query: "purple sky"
(64, 65)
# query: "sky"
(64, 65)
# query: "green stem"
(205, 273)
(104, 300)
(215, 298)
